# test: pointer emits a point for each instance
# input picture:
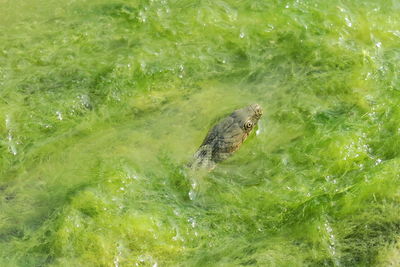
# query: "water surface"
(102, 103)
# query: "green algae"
(102, 104)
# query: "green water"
(102, 103)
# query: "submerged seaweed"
(102, 103)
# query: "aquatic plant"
(102, 103)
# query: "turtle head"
(248, 117)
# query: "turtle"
(226, 137)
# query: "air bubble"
(192, 195)
(348, 22)
(59, 115)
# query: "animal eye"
(248, 125)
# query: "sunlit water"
(103, 103)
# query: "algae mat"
(102, 103)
